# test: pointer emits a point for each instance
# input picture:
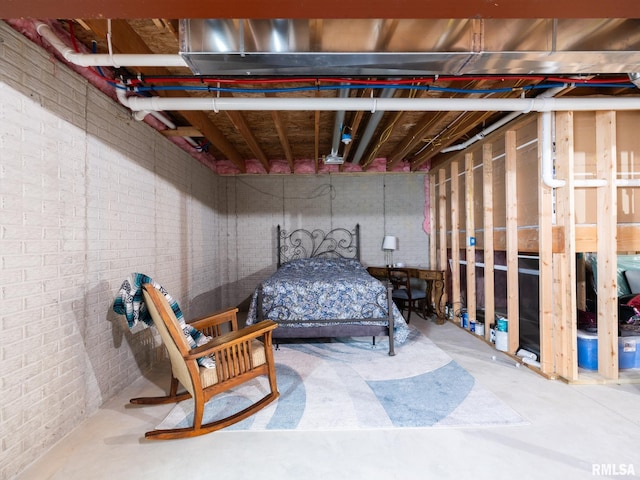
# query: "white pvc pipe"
(551, 92)
(546, 153)
(479, 136)
(387, 104)
(547, 163)
(103, 59)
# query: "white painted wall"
(86, 197)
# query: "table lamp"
(389, 244)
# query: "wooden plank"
(487, 202)
(330, 9)
(182, 132)
(565, 280)
(432, 221)
(627, 238)
(470, 234)
(546, 278)
(607, 254)
(442, 226)
(281, 129)
(511, 201)
(528, 239)
(240, 123)
(455, 238)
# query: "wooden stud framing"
(487, 202)
(564, 272)
(432, 223)
(442, 225)
(511, 201)
(470, 234)
(545, 264)
(455, 237)
(606, 224)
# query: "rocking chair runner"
(239, 356)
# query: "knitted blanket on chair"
(130, 303)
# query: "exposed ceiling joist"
(126, 9)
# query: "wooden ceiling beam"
(126, 9)
(182, 132)
(281, 129)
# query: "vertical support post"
(442, 224)
(511, 202)
(470, 234)
(563, 341)
(455, 236)
(487, 203)
(545, 252)
(432, 222)
(607, 245)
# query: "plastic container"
(587, 350)
(502, 324)
(502, 341)
(628, 351)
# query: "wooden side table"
(434, 280)
(435, 290)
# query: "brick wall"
(87, 196)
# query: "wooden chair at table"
(404, 294)
(238, 354)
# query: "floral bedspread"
(312, 289)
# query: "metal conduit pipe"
(371, 127)
(337, 126)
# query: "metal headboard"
(301, 243)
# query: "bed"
(322, 290)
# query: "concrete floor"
(575, 432)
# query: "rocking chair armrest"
(263, 328)
(215, 318)
(216, 323)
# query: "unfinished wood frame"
(487, 199)
(607, 247)
(520, 216)
(470, 237)
(455, 238)
(442, 227)
(511, 202)
(562, 348)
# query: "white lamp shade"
(390, 243)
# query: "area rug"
(351, 384)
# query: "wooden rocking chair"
(238, 354)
